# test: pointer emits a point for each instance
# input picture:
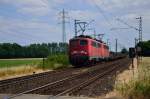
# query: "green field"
(11, 67)
(18, 62)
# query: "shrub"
(57, 61)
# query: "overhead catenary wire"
(102, 12)
(70, 27)
(27, 35)
(14, 35)
(118, 19)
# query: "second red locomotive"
(84, 49)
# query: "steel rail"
(64, 79)
(27, 78)
(89, 81)
(59, 81)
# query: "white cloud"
(116, 5)
(83, 14)
(33, 7)
(28, 30)
(34, 11)
(45, 27)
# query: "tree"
(124, 51)
(145, 46)
(8, 50)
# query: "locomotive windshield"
(83, 42)
(74, 42)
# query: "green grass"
(18, 62)
(138, 88)
(58, 61)
(9, 67)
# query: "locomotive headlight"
(83, 52)
(74, 52)
(79, 52)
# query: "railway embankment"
(133, 83)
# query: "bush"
(57, 61)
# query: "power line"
(70, 29)
(22, 36)
(139, 18)
(126, 24)
(102, 12)
(116, 28)
(13, 35)
(137, 29)
(27, 35)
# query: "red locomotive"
(84, 49)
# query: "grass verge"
(139, 86)
(17, 71)
(14, 67)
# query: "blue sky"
(37, 21)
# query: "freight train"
(84, 50)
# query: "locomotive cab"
(78, 51)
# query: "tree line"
(14, 50)
(145, 48)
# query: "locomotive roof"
(89, 37)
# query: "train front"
(78, 51)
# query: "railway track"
(17, 79)
(103, 85)
(71, 84)
(17, 85)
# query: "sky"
(39, 21)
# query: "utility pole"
(136, 49)
(94, 33)
(140, 28)
(116, 45)
(107, 42)
(109, 46)
(63, 15)
(63, 26)
(140, 36)
(75, 27)
(136, 41)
